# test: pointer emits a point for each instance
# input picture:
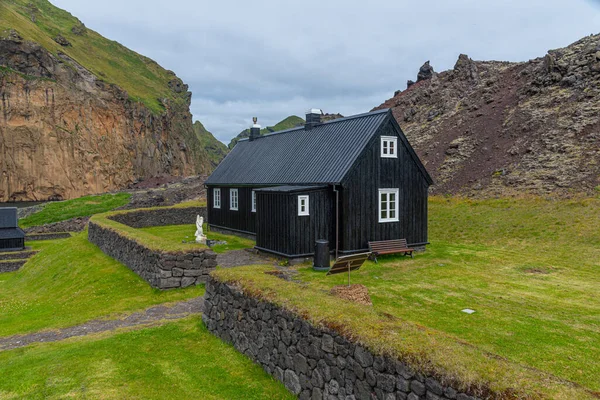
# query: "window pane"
(383, 214)
(392, 213)
(391, 147)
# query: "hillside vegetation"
(287, 123)
(41, 22)
(108, 116)
(179, 360)
(215, 149)
(490, 128)
(529, 269)
(70, 282)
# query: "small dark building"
(11, 236)
(350, 181)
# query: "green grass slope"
(142, 78)
(179, 233)
(215, 149)
(69, 282)
(530, 269)
(81, 207)
(179, 360)
(287, 123)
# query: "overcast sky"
(274, 58)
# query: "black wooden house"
(11, 236)
(350, 181)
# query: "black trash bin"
(321, 262)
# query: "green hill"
(289, 122)
(41, 22)
(215, 149)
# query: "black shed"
(350, 181)
(11, 236)
(302, 214)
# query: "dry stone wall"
(160, 217)
(312, 363)
(161, 270)
(11, 265)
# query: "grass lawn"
(178, 233)
(81, 207)
(529, 268)
(179, 360)
(70, 282)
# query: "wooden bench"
(390, 247)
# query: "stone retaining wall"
(161, 270)
(11, 266)
(160, 217)
(312, 363)
(71, 225)
(47, 236)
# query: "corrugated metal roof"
(297, 156)
(290, 188)
(12, 233)
(8, 217)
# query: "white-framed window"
(217, 198)
(233, 199)
(253, 201)
(388, 205)
(389, 147)
(303, 205)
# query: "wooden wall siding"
(6, 244)
(360, 197)
(242, 220)
(281, 230)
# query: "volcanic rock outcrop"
(491, 128)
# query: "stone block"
(363, 356)
(327, 344)
(165, 274)
(187, 281)
(209, 263)
(177, 272)
(417, 387)
(434, 386)
(193, 272)
(169, 283)
(292, 382)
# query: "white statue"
(200, 238)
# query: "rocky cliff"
(215, 149)
(82, 114)
(501, 128)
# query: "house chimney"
(255, 129)
(313, 118)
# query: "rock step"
(47, 236)
(17, 255)
(11, 265)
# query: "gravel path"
(237, 258)
(149, 316)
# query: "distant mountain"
(290, 122)
(215, 149)
(287, 123)
(493, 128)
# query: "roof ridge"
(356, 116)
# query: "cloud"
(272, 59)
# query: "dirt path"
(146, 317)
(237, 258)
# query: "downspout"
(337, 221)
(207, 205)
